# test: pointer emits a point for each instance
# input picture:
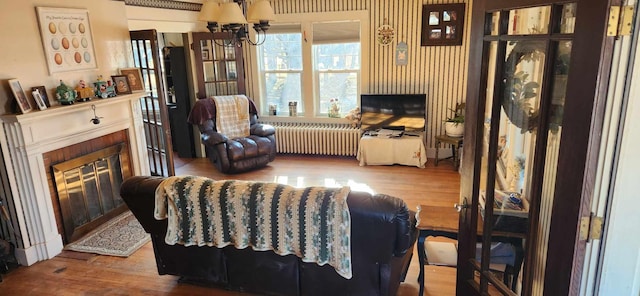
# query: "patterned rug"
(121, 236)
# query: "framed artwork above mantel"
(442, 24)
(66, 39)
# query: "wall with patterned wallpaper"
(438, 71)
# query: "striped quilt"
(313, 222)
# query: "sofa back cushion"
(313, 222)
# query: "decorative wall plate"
(385, 34)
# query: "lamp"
(230, 17)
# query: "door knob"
(459, 207)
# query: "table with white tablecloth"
(379, 150)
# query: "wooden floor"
(72, 273)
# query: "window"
(336, 61)
(314, 62)
(337, 69)
(280, 60)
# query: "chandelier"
(230, 17)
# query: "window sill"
(286, 118)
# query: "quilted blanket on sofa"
(313, 222)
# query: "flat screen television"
(394, 111)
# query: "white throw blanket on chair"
(232, 115)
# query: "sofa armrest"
(262, 130)
(213, 138)
(407, 233)
(138, 192)
(405, 222)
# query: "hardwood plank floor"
(73, 274)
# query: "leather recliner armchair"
(234, 155)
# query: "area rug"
(121, 236)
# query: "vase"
(334, 110)
(454, 129)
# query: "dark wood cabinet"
(179, 102)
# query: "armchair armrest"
(263, 130)
(213, 138)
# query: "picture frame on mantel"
(67, 39)
(135, 78)
(442, 24)
(122, 84)
(39, 100)
(21, 98)
(43, 93)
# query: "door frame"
(585, 96)
(614, 263)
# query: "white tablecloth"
(405, 150)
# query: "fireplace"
(87, 187)
(32, 143)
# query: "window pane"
(281, 52)
(532, 21)
(282, 88)
(494, 28)
(568, 21)
(338, 90)
(337, 56)
(337, 82)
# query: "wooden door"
(537, 76)
(155, 116)
(219, 65)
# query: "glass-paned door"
(518, 100)
(146, 56)
(219, 65)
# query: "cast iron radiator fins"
(316, 138)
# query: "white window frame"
(309, 72)
(262, 77)
(317, 72)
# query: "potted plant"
(454, 125)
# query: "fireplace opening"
(88, 189)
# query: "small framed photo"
(435, 34)
(135, 78)
(449, 16)
(122, 84)
(450, 32)
(434, 18)
(21, 98)
(442, 24)
(39, 100)
(43, 93)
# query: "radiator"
(316, 138)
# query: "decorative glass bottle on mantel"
(334, 108)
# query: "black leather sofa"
(382, 238)
(234, 155)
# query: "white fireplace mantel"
(25, 137)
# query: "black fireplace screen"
(89, 190)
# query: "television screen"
(393, 111)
